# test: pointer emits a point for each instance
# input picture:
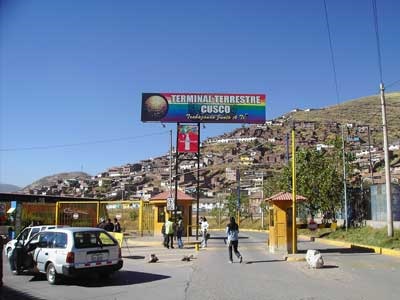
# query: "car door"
(32, 233)
(23, 237)
(43, 249)
(59, 250)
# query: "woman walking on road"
(232, 232)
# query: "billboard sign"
(203, 108)
(188, 138)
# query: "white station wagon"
(71, 251)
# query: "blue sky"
(72, 72)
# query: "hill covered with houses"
(257, 151)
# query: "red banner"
(188, 138)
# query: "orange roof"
(166, 194)
(285, 196)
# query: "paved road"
(347, 275)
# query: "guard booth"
(280, 222)
(161, 214)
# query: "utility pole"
(262, 199)
(238, 195)
(344, 180)
(294, 196)
(176, 171)
(389, 215)
(170, 163)
(371, 168)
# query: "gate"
(77, 213)
(37, 213)
(135, 217)
(147, 219)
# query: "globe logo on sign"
(155, 107)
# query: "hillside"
(362, 111)
(8, 188)
(254, 149)
(55, 179)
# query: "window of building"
(271, 217)
(161, 214)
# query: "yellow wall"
(187, 206)
(280, 234)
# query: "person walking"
(204, 230)
(169, 231)
(179, 232)
(117, 225)
(232, 233)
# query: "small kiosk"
(161, 214)
(280, 222)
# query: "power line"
(377, 39)
(392, 83)
(331, 52)
(46, 147)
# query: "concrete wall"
(381, 224)
(378, 202)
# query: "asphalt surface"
(348, 274)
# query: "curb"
(254, 230)
(375, 249)
(294, 259)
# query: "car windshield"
(90, 239)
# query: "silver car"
(71, 252)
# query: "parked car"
(25, 235)
(69, 251)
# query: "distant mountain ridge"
(8, 188)
(54, 179)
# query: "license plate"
(97, 257)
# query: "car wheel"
(51, 274)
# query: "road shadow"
(352, 250)
(264, 261)
(7, 293)
(120, 278)
(134, 257)
(330, 267)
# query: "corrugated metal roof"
(285, 196)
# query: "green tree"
(319, 179)
(231, 202)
